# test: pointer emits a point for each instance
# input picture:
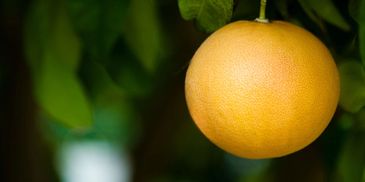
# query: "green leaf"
(60, 94)
(114, 116)
(351, 163)
(53, 52)
(130, 77)
(360, 120)
(142, 33)
(352, 76)
(209, 14)
(99, 24)
(97, 79)
(308, 10)
(354, 9)
(326, 10)
(362, 31)
(36, 32)
(282, 6)
(62, 43)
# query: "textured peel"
(262, 90)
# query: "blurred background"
(93, 91)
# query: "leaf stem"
(262, 17)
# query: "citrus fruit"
(262, 90)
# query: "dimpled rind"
(262, 90)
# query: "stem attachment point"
(262, 17)
(262, 20)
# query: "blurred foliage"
(352, 86)
(143, 34)
(326, 10)
(113, 70)
(351, 161)
(362, 30)
(98, 24)
(53, 51)
(209, 14)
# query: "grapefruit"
(262, 90)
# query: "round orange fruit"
(262, 90)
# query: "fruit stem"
(262, 17)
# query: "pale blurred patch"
(93, 161)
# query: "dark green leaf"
(99, 23)
(97, 79)
(282, 6)
(354, 9)
(131, 77)
(142, 33)
(362, 31)
(121, 72)
(360, 120)
(53, 51)
(352, 158)
(352, 86)
(346, 120)
(36, 32)
(113, 115)
(326, 10)
(308, 10)
(209, 14)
